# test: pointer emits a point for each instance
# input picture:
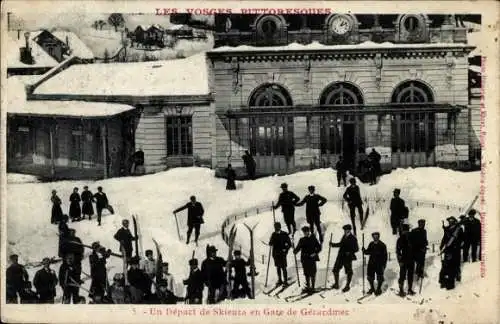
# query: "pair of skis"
(232, 238)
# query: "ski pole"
(296, 266)
(177, 224)
(328, 259)
(274, 213)
(363, 243)
(421, 279)
(268, 262)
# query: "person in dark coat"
(56, 208)
(231, 177)
(287, 201)
(250, 165)
(309, 249)
(98, 271)
(45, 282)
(450, 247)
(352, 196)
(472, 237)
(125, 237)
(240, 275)
(194, 283)
(348, 246)
(214, 277)
(194, 219)
(280, 243)
(138, 162)
(63, 234)
(313, 201)
(101, 202)
(139, 281)
(341, 168)
(69, 280)
(398, 211)
(419, 244)
(74, 247)
(75, 212)
(87, 208)
(376, 263)
(374, 159)
(16, 279)
(404, 253)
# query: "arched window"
(270, 95)
(413, 132)
(341, 93)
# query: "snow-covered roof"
(13, 44)
(16, 103)
(475, 68)
(177, 27)
(78, 48)
(319, 46)
(181, 77)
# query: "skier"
(451, 247)
(376, 264)
(249, 165)
(231, 177)
(45, 282)
(472, 237)
(117, 291)
(313, 201)
(194, 219)
(240, 276)
(194, 283)
(280, 242)
(148, 264)
(98, 271)
(125, 238)
(101, 202)
(168, 293)
(398, 211)
(348, 246)
(212, 269)
(404, 252)
(56, 208)
(140, 284)
(353, 197)
(374, 158)
(16, 279)
(63, 235)
(287, 200)
(75, 212)
(69, 280)
(309, 248)
(419, 244)
(87, 208)
(341, 168)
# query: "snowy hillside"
(153, 197)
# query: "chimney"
(25, 52)
(27, 39)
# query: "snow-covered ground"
(153, 197)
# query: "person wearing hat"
(194, 283)
(213, 270)
(287, 201)
(472, 237)
(148, 264)
(101, 202)
(194, 218)
(352, 196)
(398, 211)
(281, 244)
(69, 280)
(63, 235)
(75, 247)
(231, 177)
(56, 208)
(45, 282)
(16, 278)
(240, 276)
(404, 253)
(450, 247)
(313, 202)
(169, 293)
(376, 263)
(250, 165)
(341, 168)
(125, 237)
(309, 248)
(419, 245)
(140, 283)
(117, 291)
(374, 161)
(98, 273)
(75, 211)
(87, 208)
(348, 246)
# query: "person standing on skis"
(313, 201)
(419, 245)
(352, 196)
(376, 263)
(125, 237)
(194, 219)
(287, 201)
(404, 253)
(348, 246)
(240, 276)
(280, 242)
(309, 248)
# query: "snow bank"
(21, 178)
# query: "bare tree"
(116, 20)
